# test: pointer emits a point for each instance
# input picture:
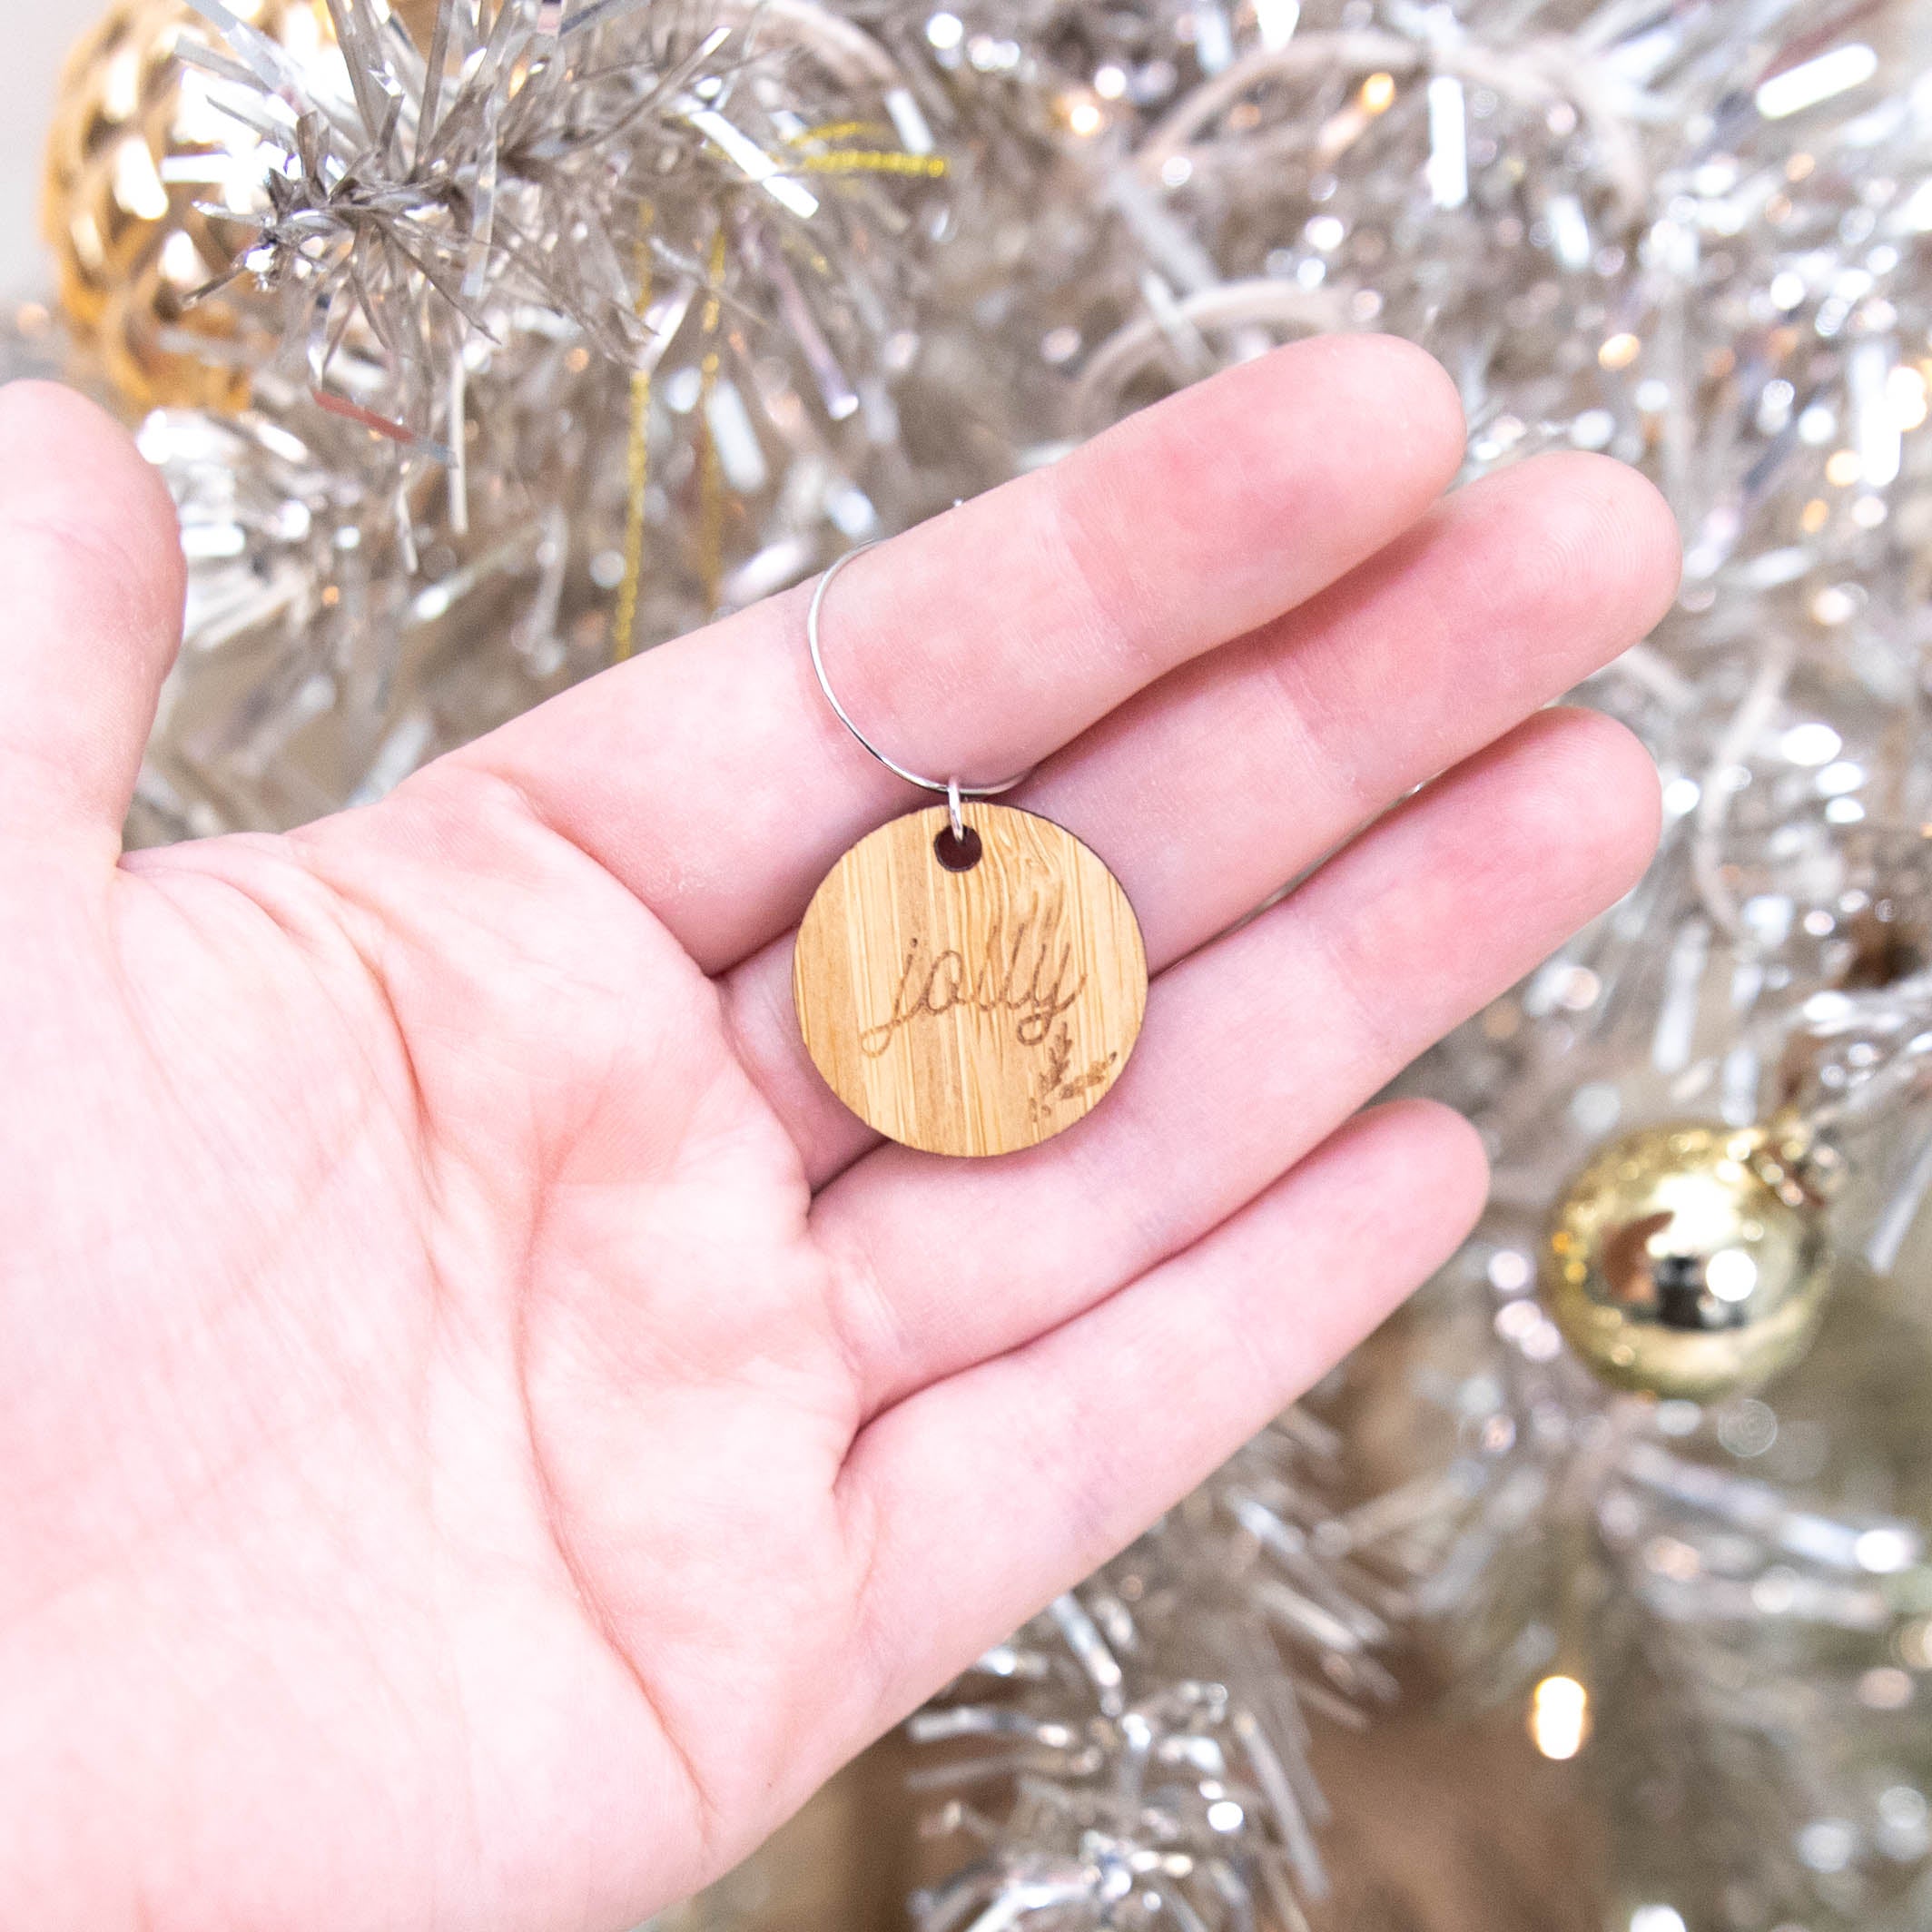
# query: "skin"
(484, 1434)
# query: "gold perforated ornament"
(137, 153)
(138, 156)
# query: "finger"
(1212, 789)
(1075, 1441)
(91, 583)
(1254, 1049)
(711, 776)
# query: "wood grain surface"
(976, 1011)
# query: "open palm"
(484, 1432)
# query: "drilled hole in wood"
(959, 855)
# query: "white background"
(35, 36)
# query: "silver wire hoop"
(951, 789)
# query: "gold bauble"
(135, 148)
(1687, 1260)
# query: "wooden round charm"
(972, 998)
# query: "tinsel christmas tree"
(485, 344)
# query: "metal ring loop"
(953, 789)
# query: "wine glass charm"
(970, 979)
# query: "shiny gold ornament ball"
(1686, 1261)
(137, 157)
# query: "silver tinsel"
(1695, 241)
(590, 328)
(1139, 1753)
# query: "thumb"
(91, 587)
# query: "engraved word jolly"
(977, 1008)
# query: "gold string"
(711, 481)
(841, 131)
(875, 161)
(624, 631)
(710, 488)
(864, 160)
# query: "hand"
(484, 1433)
